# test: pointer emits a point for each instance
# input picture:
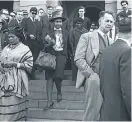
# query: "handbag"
(46, 61)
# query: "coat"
(74, 36)
(115, 82)
(60, 57)
(85, 56)
(13, 23)
(86, 53)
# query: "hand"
(32, 36)
(9, 64)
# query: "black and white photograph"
(65, 60)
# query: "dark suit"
(5, 25)
(35, 29)
(46, 25)
(115, 82)
(14, 23)
(122, 14)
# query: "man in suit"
(87, 59)
(17, 21)
(45, 23)
(5, 18)
(33, 31)
(115, 78)
(125, 13)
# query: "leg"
(58, 83)
(49, 88)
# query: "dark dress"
(60, 58)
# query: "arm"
(125, 78)
(80, 55)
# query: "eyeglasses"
(34, 13)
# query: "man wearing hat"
(59, 49)
(74, 36)
(115, 77)
(33, 31)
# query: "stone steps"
(64, 104)
(42, 88)
(43, 82)
(55, 114)
(71, 108)
(65, 96)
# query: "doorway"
(7, 5)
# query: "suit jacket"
(122, 14)
(14, 23)
(86, 53)
(46, 25)
(115, 82)
(33, 28)
(5, 25)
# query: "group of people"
(100, 63)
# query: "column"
(16, 5)
(111, 5)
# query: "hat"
(34, 9)
(58, 8)
(18, 31)
(57, 15)
(78, 19)
(124, 25)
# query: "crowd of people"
(100, 56)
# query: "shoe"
(59, 97)
(49, 106)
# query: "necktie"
(106, 40)
(110, 34)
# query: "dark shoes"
(59, 97)
(49, 106)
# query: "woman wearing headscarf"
(16, 63)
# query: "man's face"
(41, 13)
(81, 12)
(124, 6)
(33, 14)
(12, 15)
(58, 23)
(106, 23)
(5, 15)
(50, 10)
(19, 15)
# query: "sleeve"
(26, 61)
(80, 55)
(24, 26)
(71, 39)
(125, 78)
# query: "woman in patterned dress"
(16, 61)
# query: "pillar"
(111, 5)
(16, 5)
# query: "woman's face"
(13, 39)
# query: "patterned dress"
(14, 83)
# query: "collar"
(32, 18)
(101, 33)
(57, 29)
(125, 41)
(126, 10)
